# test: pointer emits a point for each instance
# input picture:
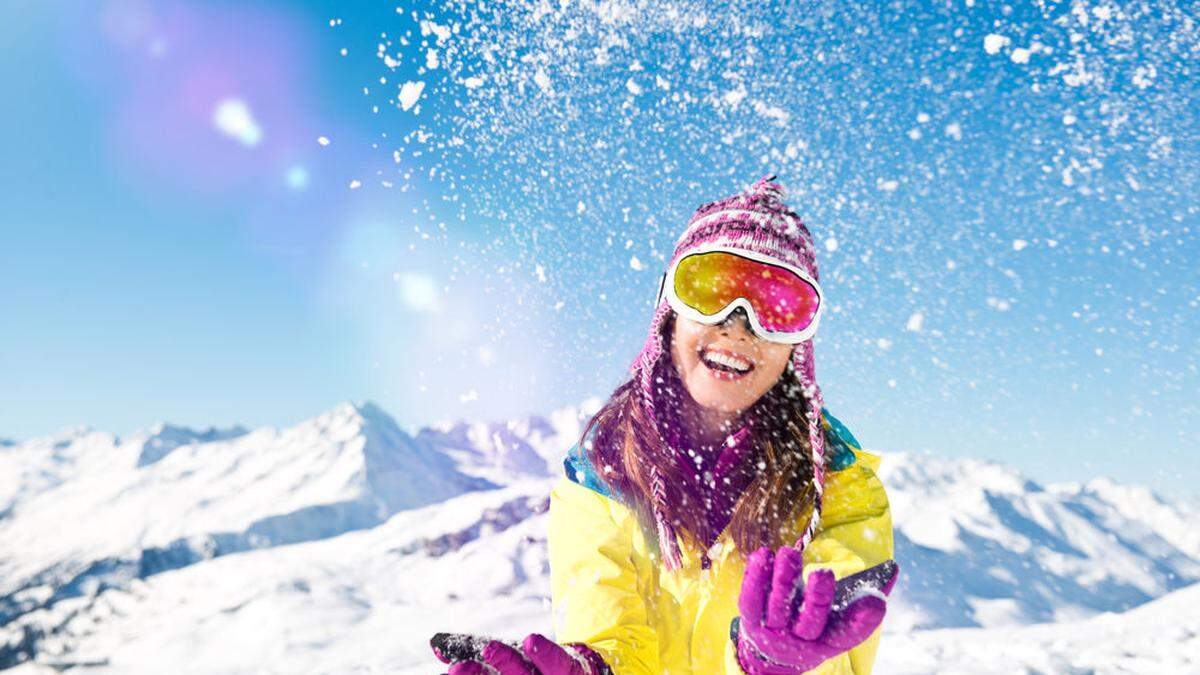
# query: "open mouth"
(724, 364)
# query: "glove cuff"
(751, 659)
(595, 663)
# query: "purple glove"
(536, 655)
(787, 626)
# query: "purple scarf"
(718, 476)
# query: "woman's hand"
(537, 655)
(788, 626)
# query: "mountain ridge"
(349, 500)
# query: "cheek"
(772, 368)
(684, 350)
(685, 362)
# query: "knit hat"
(755, 220)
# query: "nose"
(739, 317)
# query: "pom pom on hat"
(766, 186)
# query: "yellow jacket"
(609, 593)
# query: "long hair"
(627, 446)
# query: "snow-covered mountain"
(981, 545)
(342, 543)
(348, 469)
(502, 452)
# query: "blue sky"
(1005, 201)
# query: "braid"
(816, 436)
(671, 555)
(647, 427)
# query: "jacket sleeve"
(594, 582)
(857, 534)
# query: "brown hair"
(628, 444)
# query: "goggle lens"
(783, 301)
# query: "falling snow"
(1000, 200)
(1003, 207)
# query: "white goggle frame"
(683, 309)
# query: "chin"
(719, 396)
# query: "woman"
(717, 446)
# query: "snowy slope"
(364, 600)
(1160, 637)
(31, 468)
(344, 542)
(981, 545)
(1175, 523)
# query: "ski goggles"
(782, 301)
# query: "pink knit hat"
(755, 220)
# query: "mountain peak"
(162, 438)
(369, 410)
(349, 419)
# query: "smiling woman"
(696, 529)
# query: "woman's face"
(725, 367)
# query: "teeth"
(726, 360)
